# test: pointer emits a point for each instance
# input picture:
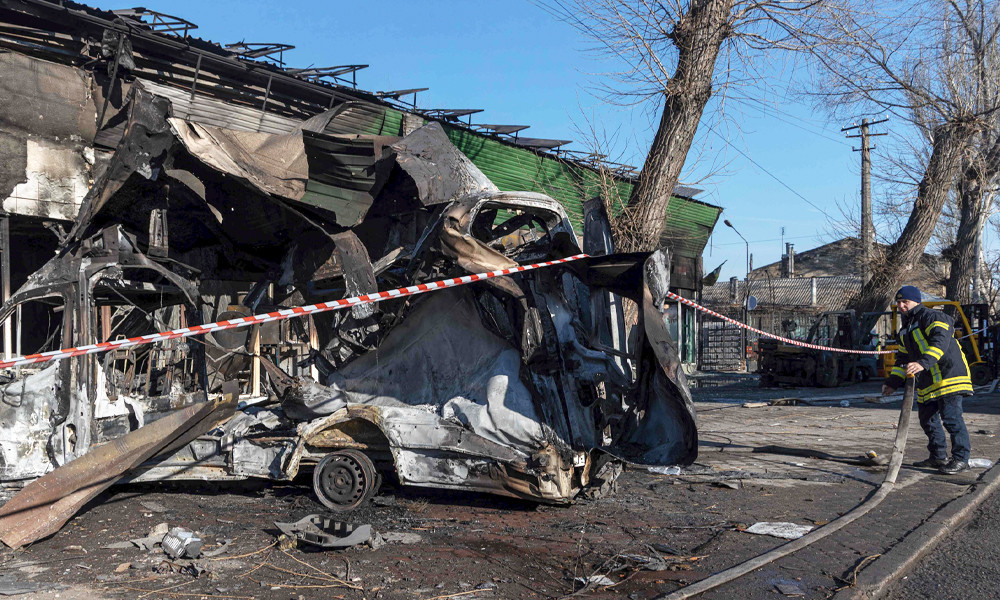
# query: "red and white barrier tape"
(697, 306)
(298, 311)
(277, 315)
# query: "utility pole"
(867, 229)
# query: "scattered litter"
(788, 531)
(664, 549)
(756, 404)
(733, 485)
(182, 543)
(153, 506)
(595, 580)
(986, 432)
(376, 541)
(881, 399)
(326, 533)
(118, 545)
(790, 588)
(75, 549)
(845, 403)
(123, 567)
(980, 463)
(674, 470)
(159, 531)
(647, 562)
(399, 537)
(192, 568)
(786, 401)
(217, 551)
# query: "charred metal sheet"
(141, 151)
(358, 273)
(42, 507)
(607, 312)
(668, 433)
(274, 164)
(439, 171)
(29, 409)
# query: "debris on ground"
(595, 581)
(784, 530)
(790, 588)
(671, 470)
(152, 506)
(44, 505)
(9, 586)
(181, 543)
(324, 532)
(402, 537)
(869, 459)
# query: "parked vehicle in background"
(788, 364)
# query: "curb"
(874, 580)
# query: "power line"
(776, 113)
(752, 242)
(772, 175)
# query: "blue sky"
(523, 66)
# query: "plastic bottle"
(980, 463)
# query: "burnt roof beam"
(159, 22)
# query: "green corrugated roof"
(511, 168)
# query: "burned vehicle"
(521, 385)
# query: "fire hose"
(876, 497)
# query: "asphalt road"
(964, 566)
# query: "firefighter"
(929, 351)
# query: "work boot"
(954, 466)
(934, 463)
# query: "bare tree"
(909, 59)
(671, 51)
(971, 39)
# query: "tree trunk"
(972, 198)
(974, 202)
(950, 140)
(698, 37)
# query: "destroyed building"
(67, 69)
(158, 182)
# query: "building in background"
(788, 296)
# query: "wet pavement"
(654, 534)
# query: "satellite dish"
(751, 302)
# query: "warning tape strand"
(709, 311)
(278, 315)
(413, 290)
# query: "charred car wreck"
(521, 385)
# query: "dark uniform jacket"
(927, 337)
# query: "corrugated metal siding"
(689, 223)
(519, 169)
(359, 118)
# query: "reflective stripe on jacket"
(928, 338)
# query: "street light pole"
(746, 294)
(730, 225)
